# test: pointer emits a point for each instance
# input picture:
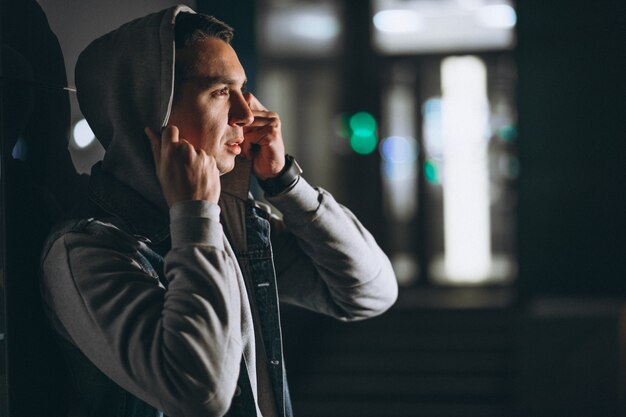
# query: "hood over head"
(125, 82)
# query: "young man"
(165, 289)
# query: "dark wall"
(572, 105)
(38, 180)
(572, 203)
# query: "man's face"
(210, 110)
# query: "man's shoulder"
(107, 232)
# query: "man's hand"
(263, 141)
(185, 173)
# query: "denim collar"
(143, 217)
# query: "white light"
(311, 29)
(443, 26)
(465, 115)
(470, 4)
(398, 21)
(82, 135)
(497, 16)
(320, 27)
(399, 152)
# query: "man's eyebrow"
(210, 81)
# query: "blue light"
(397, 172)
(432, 105)
(399, 155)
(20, 150)
(397, 149)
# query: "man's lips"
(234, 145)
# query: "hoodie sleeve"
(326, 261)
(179, 349)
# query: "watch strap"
(285, 178)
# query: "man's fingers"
(163, 144)
(169, 135)
(253, 102)
(256, 136)
(246, 149)
(263, 117)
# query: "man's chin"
(226, 166)
(225, 171)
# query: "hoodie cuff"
(196, 222)
(301, 198)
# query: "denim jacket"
(325, 261)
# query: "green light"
(363, 144)
(508, 133)
(363, 124)
(430, 172)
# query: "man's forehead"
(213, 60)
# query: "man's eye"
(223, 92)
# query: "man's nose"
(240, 113)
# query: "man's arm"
(326, 260)
(179, 348)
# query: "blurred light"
(443, 26)
(465, 116)
(397, 173)
(432, 105)
(398, 21)
(508, 133)
(363, 139)
(300, 29)
(82, 135)
(363, 144)
(317, 27)
(470, 4)
(20, 150)
(431, 127)
(500, 16)
(431, 172)
(508, 167)
(399, 152)
(397, 149)
(362, 124)
(399, 155)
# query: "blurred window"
(445, 134)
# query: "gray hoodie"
(124, 83)
(179, 347)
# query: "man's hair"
(190, 28)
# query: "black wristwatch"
(285, 178)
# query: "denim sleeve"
(326, 260)
(177, 348)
